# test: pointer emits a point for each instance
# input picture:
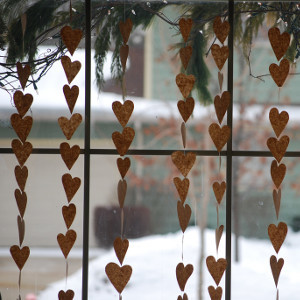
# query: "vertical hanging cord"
(70, 11)
(279, 90)
(19, 284)
(182, 246)
(67, 272)
(122, 222)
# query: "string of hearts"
(69, 154)
(22, 149)
(219, 136)
(182, 160)
(278, 146)
(119, 276)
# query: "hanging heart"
(277, 200)
(21, 126)
(21, 175)
(185, 27)
(221, 105)
(20, 255)
(71, 95)
(71, 38)
(121, 246)
(123, 140)
(278, 120)
(183, 161)
(279, 42)
(219, 190)
(69, 213)
(184, 214)
(183, 273)
(69, 154)
(185, 55)
(71, 68)
(122, 190)
(124, 51)
(186, 108)
(221, 29)
(278, 147)
(276, 267)
(123, 111)
(216, 268)
(220, 55)
(21, 199)
(118, 276)
(125, 29)
(22, 151)
(22, 102)
(123, 166)
(182, 187)
(23, 74)
(21, 229)
(219, 135)
(71, 185)
(277, 235)
(277, 173)
(183, 134)
(185, 297)
(68, 295)
(215, 293)
(219, 232)
(280, 73)
(185, 83)
(66, 242)
(67, 126)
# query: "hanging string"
(182, 246)
(218, 221)
(279, 89)
(120, 297)
(19, 284)
(220, 162)
(67, 272)
(122, 222)
(70, 11)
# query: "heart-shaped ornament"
(185, 83)
(219, 135)
(277, 235)
(68, 295)
(220, 79)
(71, 38)
(125, 29)
(21, 175)
(184, 214)
(118, 276)
(121, 247)
(216, 268)
(20, 255)
(21, 199)
(215, 293)
(221, 105)
(123, 166)
(22, 151)
(185, 27)
(183, 273)
(66, 242)
(21, 229)
(186, 108)
(276, 267)
(124, 51)
(71, 68)
(184, 297)
(21, 126)
(185, 55)
(278, 147)
(219, 232)
(183, 161)
(182, 187)
(219, 190)
(22, 102)
(69, 213)
(71, 95)
(71, 185)
(123, 140)
(123, 111)
(23, 74)
(221, 29)
(277, 200)
(122, 190)
(279, 42)
(277, 173)
(67, 126)
(220, 55)
(280, 73)
(69, 154)
(183, 134)
(278, 120)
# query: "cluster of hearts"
(120, 275)
(278, 146)
(71, 38)
(22, 149)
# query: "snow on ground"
(154, 260)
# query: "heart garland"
(69, 154)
